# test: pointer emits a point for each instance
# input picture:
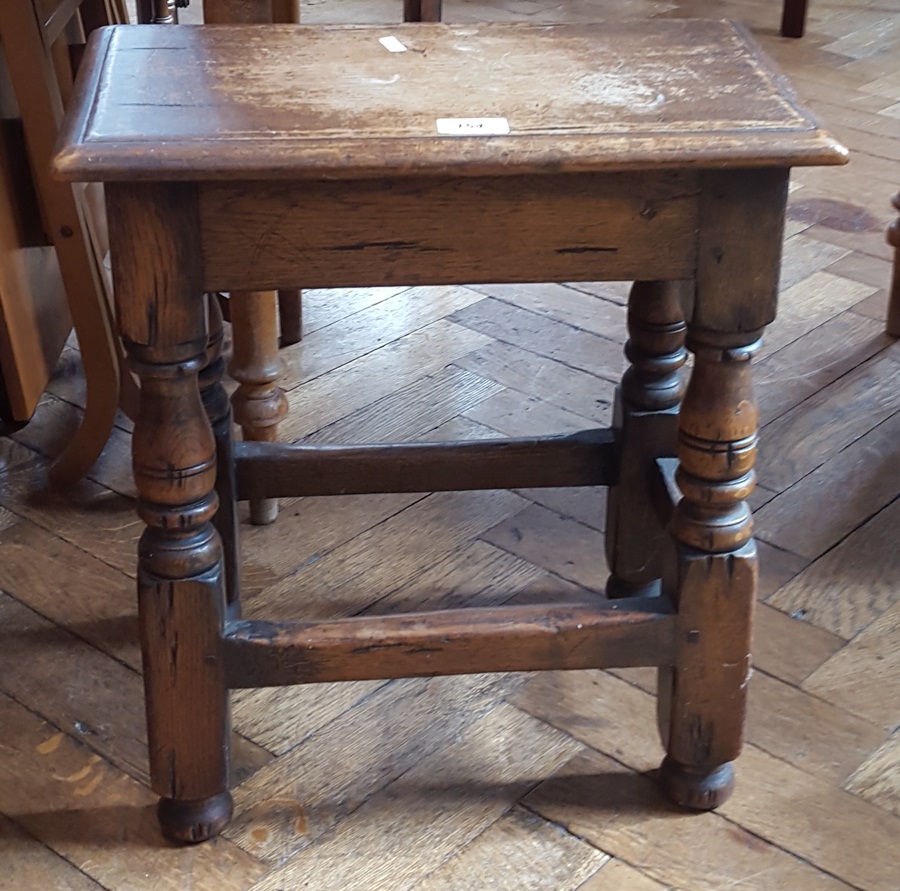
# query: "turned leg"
(646, 415)
(218, 410)
(702, 698)
(259, 403)
(893, 238)
(181, 604)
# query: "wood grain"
(70, 587)
(558, 544)
(27, 864)
(850, 586)
(376, 375)
(532, 376)
(320, 308)
(512, 325)
(537, 637)
(798, 443)
(89, 813)
(435, 807)
(446, 230)
(808, 304)
(876, 779)
(795, 372)
(843, 492)
(862, 677)
(564, 304)
(623, 814)
(409, 413)
(787, 648)
(810, 813)
(334, 771)
(615, 875)
(761, 125)
(363, 332)
(346, 580)
(551, 858)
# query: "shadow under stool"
(651, 151)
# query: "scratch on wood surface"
(79, 775)
(89, 787)
(49, 746)
(275, 808)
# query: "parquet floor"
(509, 782)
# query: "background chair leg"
(258, 403)
(893, 238)
(290, 314)
(422, 10)
(793, 18)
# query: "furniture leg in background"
(893, 238)
(793, 18)
(259, 403)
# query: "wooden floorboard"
(488, 782)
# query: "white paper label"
(391, 44)
(472, 126)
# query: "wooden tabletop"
(224, 102)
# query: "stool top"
(225, 102)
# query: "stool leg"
(703, 696)
(154, 230)
(259, 403)
(181, 605)
(218, 410)
(646, 417)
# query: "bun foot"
(189, 822)
(696, 789)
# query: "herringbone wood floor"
(503, 782)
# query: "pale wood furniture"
(626, 157)
(34, 318)
(42, 287)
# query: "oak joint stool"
(653, 151)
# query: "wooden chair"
(34, 317)
(36, 38)
(893, 238)
(578, 188)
